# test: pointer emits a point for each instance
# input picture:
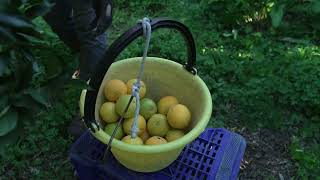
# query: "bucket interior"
(162, 78)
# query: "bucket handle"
(118, 46)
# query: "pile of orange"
(158, 123)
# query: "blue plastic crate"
(215, 154)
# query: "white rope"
(136, 86)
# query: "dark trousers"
(74, 22)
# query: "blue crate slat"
(215, 154)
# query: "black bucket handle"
(118, 46)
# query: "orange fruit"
(165, 103)
(179, 116)
(127, 125)
(154, 140)
(157, 125)
(122, 103)
(108, 112)
(135, 141)
(145, 135)
(143, 88)
(147, 108)
(114, 89)
(109, 128)
(174, 134)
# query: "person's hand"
(105, 16)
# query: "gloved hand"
(105, 16)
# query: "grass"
(258, 85)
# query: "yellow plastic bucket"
(162, 77)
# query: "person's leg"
(61, 22)
(74, 22)
(92, 47)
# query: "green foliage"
(41, 152)
(308, 159)
(31, 65)
(42, 141)
(18, 67)
(270, 92)
(234, 12)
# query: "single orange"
(157, 125)
(114, 89)
(179, 116)
(165, 103)
(135, 141)
(127, 125)
(174, 134)
(155, 140)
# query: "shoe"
(76, 74)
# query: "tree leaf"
(32, 38)
(53, 67)
(315, 6)
(38, 9)
(316, 24)
(25, 101)
(5, 34)
(23, 74)
(3, 101)
(16, 3)
(78, 84)
(4, 6)
(28, 54)
(5, 87)
(39, 95)
(3, 66)
(15, 21)
(8, 121)
(276, 14)
(10, 138)
(4, 111)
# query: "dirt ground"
(266, 155)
